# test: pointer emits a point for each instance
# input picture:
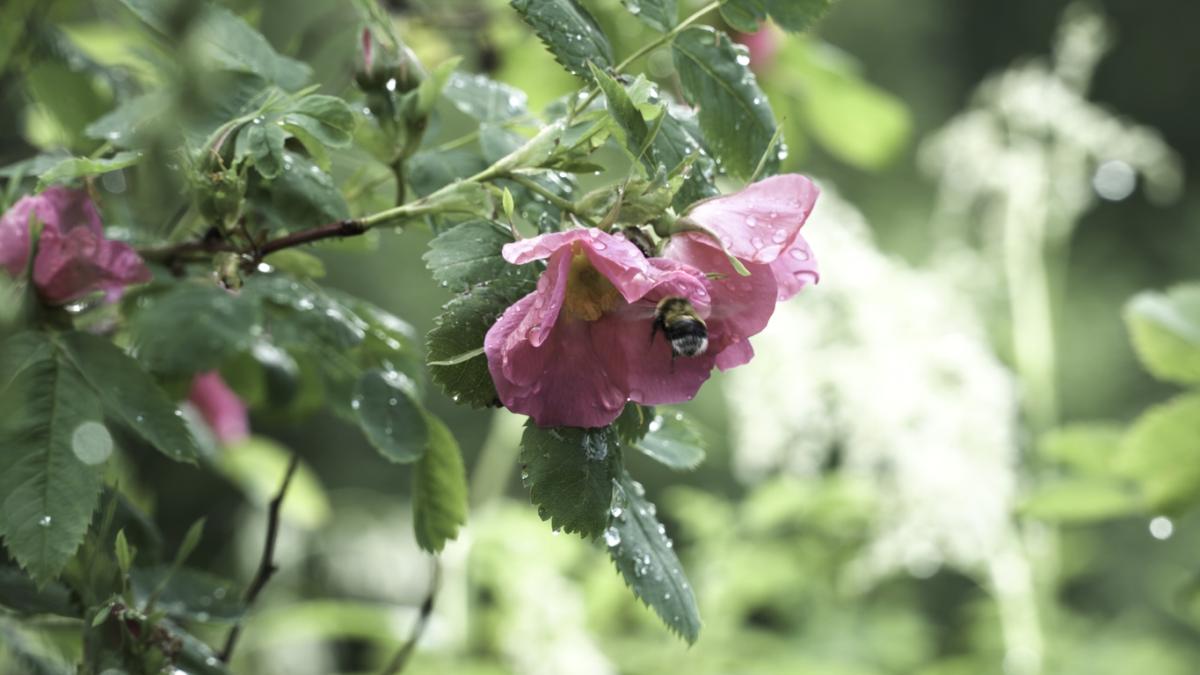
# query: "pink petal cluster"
(73, 257)
(220, 407)
(576, 349)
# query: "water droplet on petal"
(779, 237)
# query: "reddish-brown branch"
(266, 566)
(343, 228)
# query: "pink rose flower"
(760, 226)
(574, 351)
(73, 257)
(763, 44)
(221, 409)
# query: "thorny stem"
(266, 566)
(400, 660)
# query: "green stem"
(1030, 309)
(537, 188)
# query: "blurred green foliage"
(774, 564)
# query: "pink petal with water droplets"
(562, 370)
(762, 220)
(795, 269)
(615, 257)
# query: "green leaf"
(125, 552)
(570, 475)
(431, 170)
(393, 422)
(485, 99)
(1165, 328)
(661, 15)
(791, 15)
(263, 144)
(131, 395)
(460, 329)
(645, 557)
(328, 118)
(123, 125)
(797, 15)
(467, 255)
(257, 466)
(229, 41)
(439, 489)
(302, 195)
(19, 593)
(83, 167)
(1082, 500)
(189, 593)
(634, 422)
(51, 452)
(677, 143)
(191, 539)
(299, 314)
(218, 325)
(1161, 453)
(674, 440)
(569, 32)
(1089, 448)
(626, 114)
(734, 113)
(297, 263)
(744, 15)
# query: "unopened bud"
(392, 68)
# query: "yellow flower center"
(589, 293)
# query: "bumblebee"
(682, 326)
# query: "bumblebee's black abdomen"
(689, 337)
(683, 328)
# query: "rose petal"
(741, 306)
(795, 269)
(559, 383)
(80, 261)
(762, 220)
(220, 407)
(644, 368)
(616, 258)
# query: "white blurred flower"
(889, 367)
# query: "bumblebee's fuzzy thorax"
(682, 326)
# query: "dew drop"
(44, 521)
(612, 537)
(757, 242)
(779, 237)
(616, 511)
(799, 254)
